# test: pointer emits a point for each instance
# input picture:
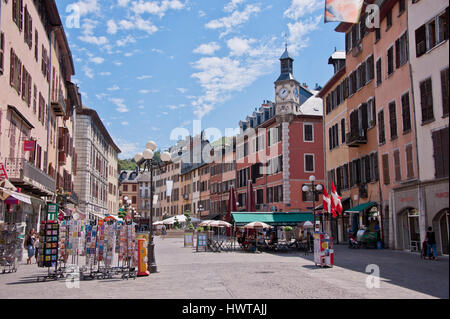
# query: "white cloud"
(158, 8)
(220, 77)
(141, 107)
(121, 107)
(118, 63)
(165, 113)
(97, 60)
(182, 90)
(122, 3)
(87, 6)
(88, 72)
(143, 77)
(88, 33)
(299, 31)
(115, 87)
(207, 48)
(239, 46)
(144, 91)
(201, 14)
(123, 42)
(105, 73)
(237, 18)
(124, 123)
(154, 128)
(172, 107)
(232, 5)
(101, 96)
(128, 149)
(300, 8)
(111, 27)
(157, 51)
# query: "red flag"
(336, 199)
(328, 203)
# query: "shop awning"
(361, 207)
(22, 197)
(273, 219)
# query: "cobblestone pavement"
(184, 273)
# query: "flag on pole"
(328, 203)
(336, 199)
(343, 10)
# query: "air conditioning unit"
(357, 49)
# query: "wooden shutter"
(14, 11)
(409, 162)
(343, 131)
(365, 116)
(19, 76)
(36, 43)
(379, 72)
(393, 120)
(445, 91)
(11, 72)
(24, 82)
(375, 167)
(385, 159)
(406, 113)
(426, 94)
(2, 52)
(440, 152)
(397, 167)
(397, 53)
(20, 14)
(29, 90)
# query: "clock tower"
(287, 89)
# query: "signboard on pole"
(52, 211)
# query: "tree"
(189, 225)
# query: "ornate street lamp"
(149, 162)
(316, 190)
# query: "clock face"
(283, 93)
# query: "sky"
(156, 69)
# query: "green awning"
(273, 219)
(362, 207)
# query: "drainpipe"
(422, 212)
(50, 105)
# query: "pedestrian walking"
(163, 232)
(36, 248)
(431, 244)
(29, 244)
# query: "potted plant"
(288, 232)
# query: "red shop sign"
(28, 146)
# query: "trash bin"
(379, 245)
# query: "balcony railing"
(59, 106)
(354, 139)
(27, 176)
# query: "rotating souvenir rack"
(10, 248)
(127, 262)
(48, 250)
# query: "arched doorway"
(409, 229)
(442, 219)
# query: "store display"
(11, 247)
(48, 244)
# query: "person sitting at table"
(273, 238)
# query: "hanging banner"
(28, 146)
(169, 186)
(155, 199)
(343, 10)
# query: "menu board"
(49, 238)
(201, 241)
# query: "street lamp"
(147, 156)
(315, 189)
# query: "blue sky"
(148, 67)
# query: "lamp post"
(315, 189)
(150, 163)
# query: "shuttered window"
(343, 130)
(308, 131)
(381, 133)
(409, 161)
(445, 93)
(309, 163)
(426, 100)
(441, 152)
(393, 120)
(379, 72)
(385, 159)
(406, 113)
(2, 52)
(397, 167)
(390, 60)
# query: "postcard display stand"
(106, 240)
(323, 250)
(10, 248)
(48, 249)
(128, 251)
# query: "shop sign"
(52, 210)
(441, 195)
(28, 146)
